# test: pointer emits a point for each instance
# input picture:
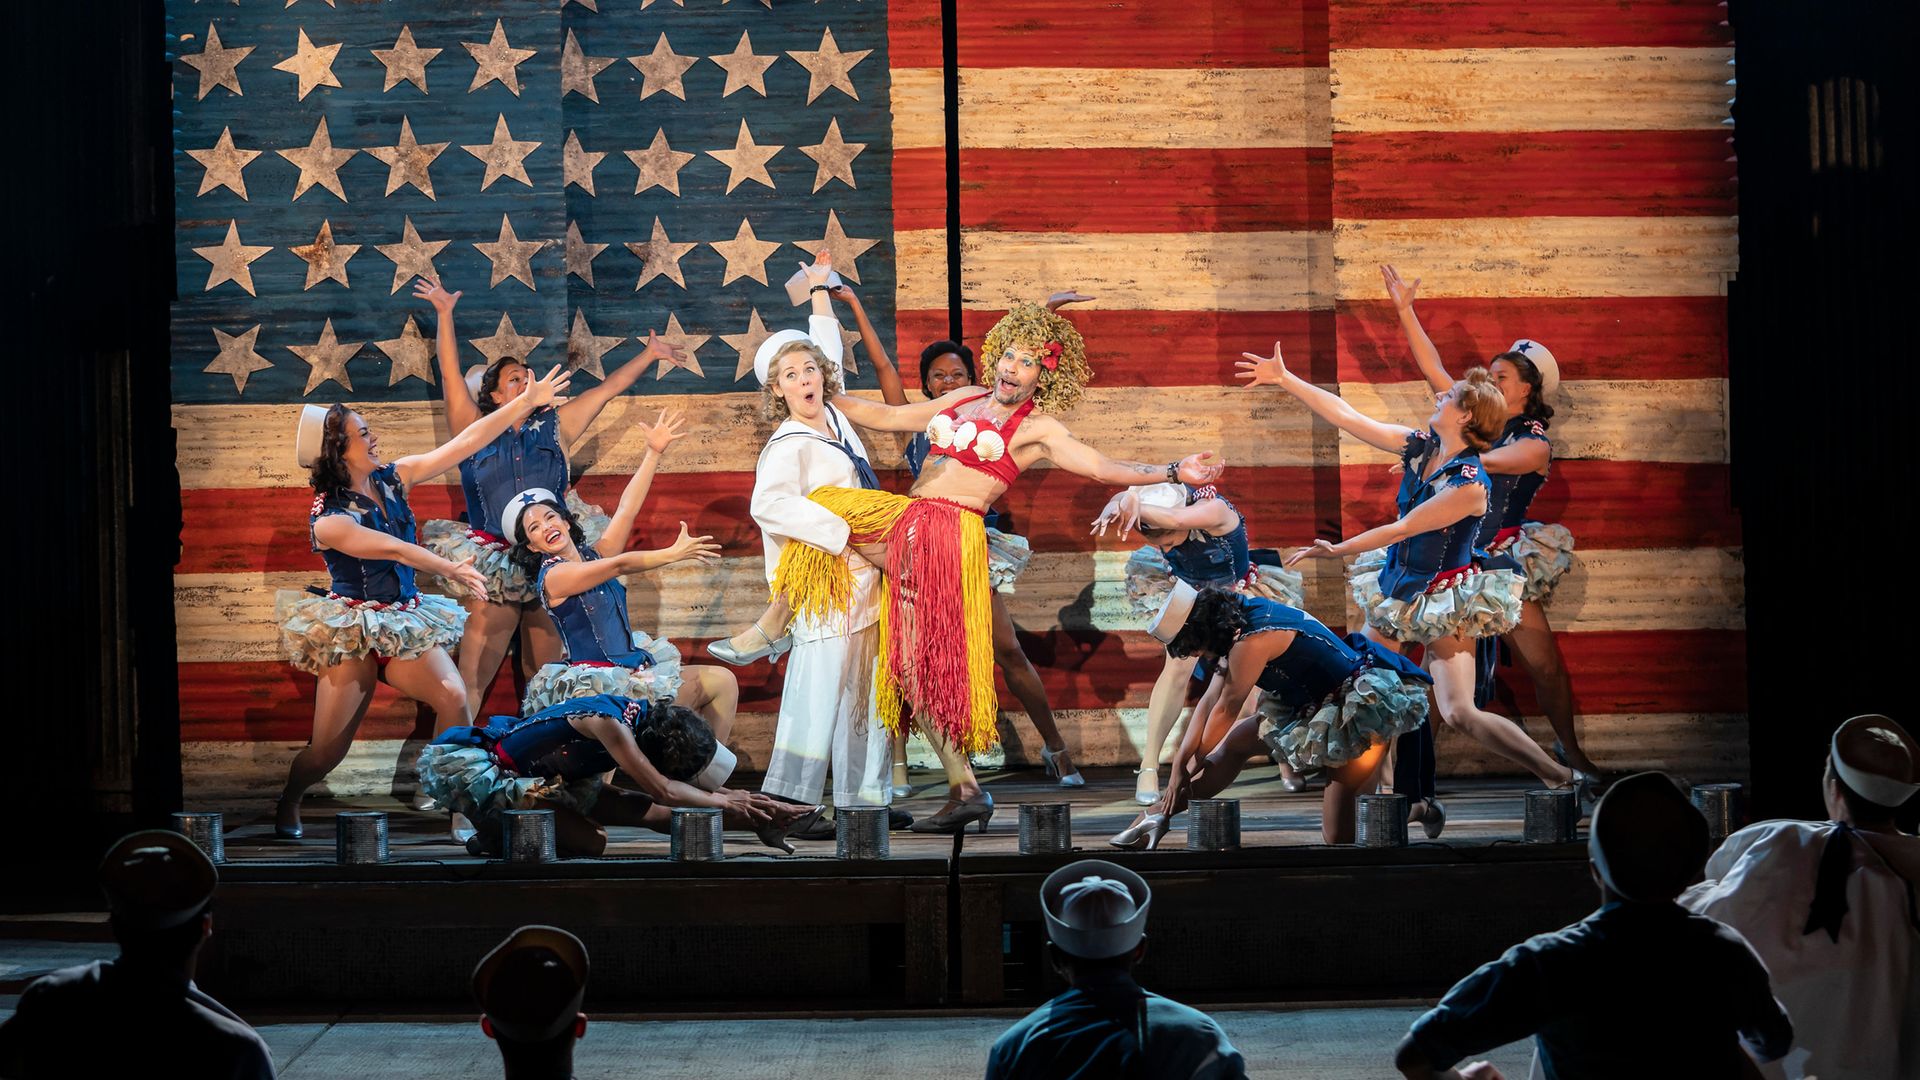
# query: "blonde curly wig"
(1031, 326)
(774, 407)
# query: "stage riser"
(1265, 925)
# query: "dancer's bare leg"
(1537, 651)
(1340, 801)
(961, 784)
(433, 681)
(712, 692)
(1451, 661)
(1169, 696)
(1025, 683)
(900, 760)
(490, 629)
(540, 642)
(339, 704)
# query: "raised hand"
(818, 270)
(1200, 469)
(471, 579)
(1061, 299)
(844, 295)
(1398, 289)
(1321, 549)
(664, 431)
(690, 548)
(425, 288)
(659, 348)
(1123, 509)
(546, 390)
(1262, 370)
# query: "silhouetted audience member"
(530, 988)
(140, 1012)
(1829, 906)
(1105, 1027)
(1640, 987)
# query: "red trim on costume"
(1005, 469)
(591, 663)
(393, 605)
(487, 539)
(1448, 578)
(949, 502)
(1502, 539)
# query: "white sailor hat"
(531, 985)
(770, 348)
(476, 375)
(714, 776)
(156, 879)
(1095, 909)
(1543, 362)
(800, 292)
(1647, 842)
(1876, 758)
(516, 506)
(307, 437)
(1173, 614)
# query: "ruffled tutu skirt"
(467, 779)
(318, 632)
(1540, 554)
(1149, 579)
(1007, 557)
(1475, 605)
(555, 683)
(506, 581)
(1374, 707)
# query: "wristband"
(1173, 472)
(819, 288)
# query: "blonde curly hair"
(1032, 326)
(1477, 395)
(774, 407)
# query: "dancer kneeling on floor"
(556, 759)
(1332, 704)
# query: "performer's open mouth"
(552, 535)
(1007, 386)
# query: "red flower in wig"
(1050, 355)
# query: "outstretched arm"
(1069, 453)
(577, 415)
(1212, 516)
(571, 578)
(1272, 371)
(339, 532)
(1424, 353)
(1518, 457)
(662, 433)
(461, 411)
(417, 467)
(618, 740)
(877, 417)
(1451, 505)
(891, 389)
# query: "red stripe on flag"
(1183, 348)
(1532, 174)
(1592, 338)
(1605, 504)
(1663, 671)
(1141, 34)
(919, 188)
(913, 34)
(1490, 24)
(1128, 190)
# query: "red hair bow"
(1050, 355)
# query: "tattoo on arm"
(1142, 468)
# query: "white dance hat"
(1165, 496)
(770, 348)
(306, 439)
(1543, 362)
(476, 375)
(1173, 614)
(1095, 909)
(1878, 759)
(800, 292)
(516, 506)
(714, 776)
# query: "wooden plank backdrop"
(1218, 175)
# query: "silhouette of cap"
(156, 879)
(531, 985)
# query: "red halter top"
(985, 448)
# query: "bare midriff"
(945, 478)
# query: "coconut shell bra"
(980, 445)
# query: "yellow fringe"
(983, 729)
(818, 584)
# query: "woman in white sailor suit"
(825, 708)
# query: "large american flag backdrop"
(1217, 174)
